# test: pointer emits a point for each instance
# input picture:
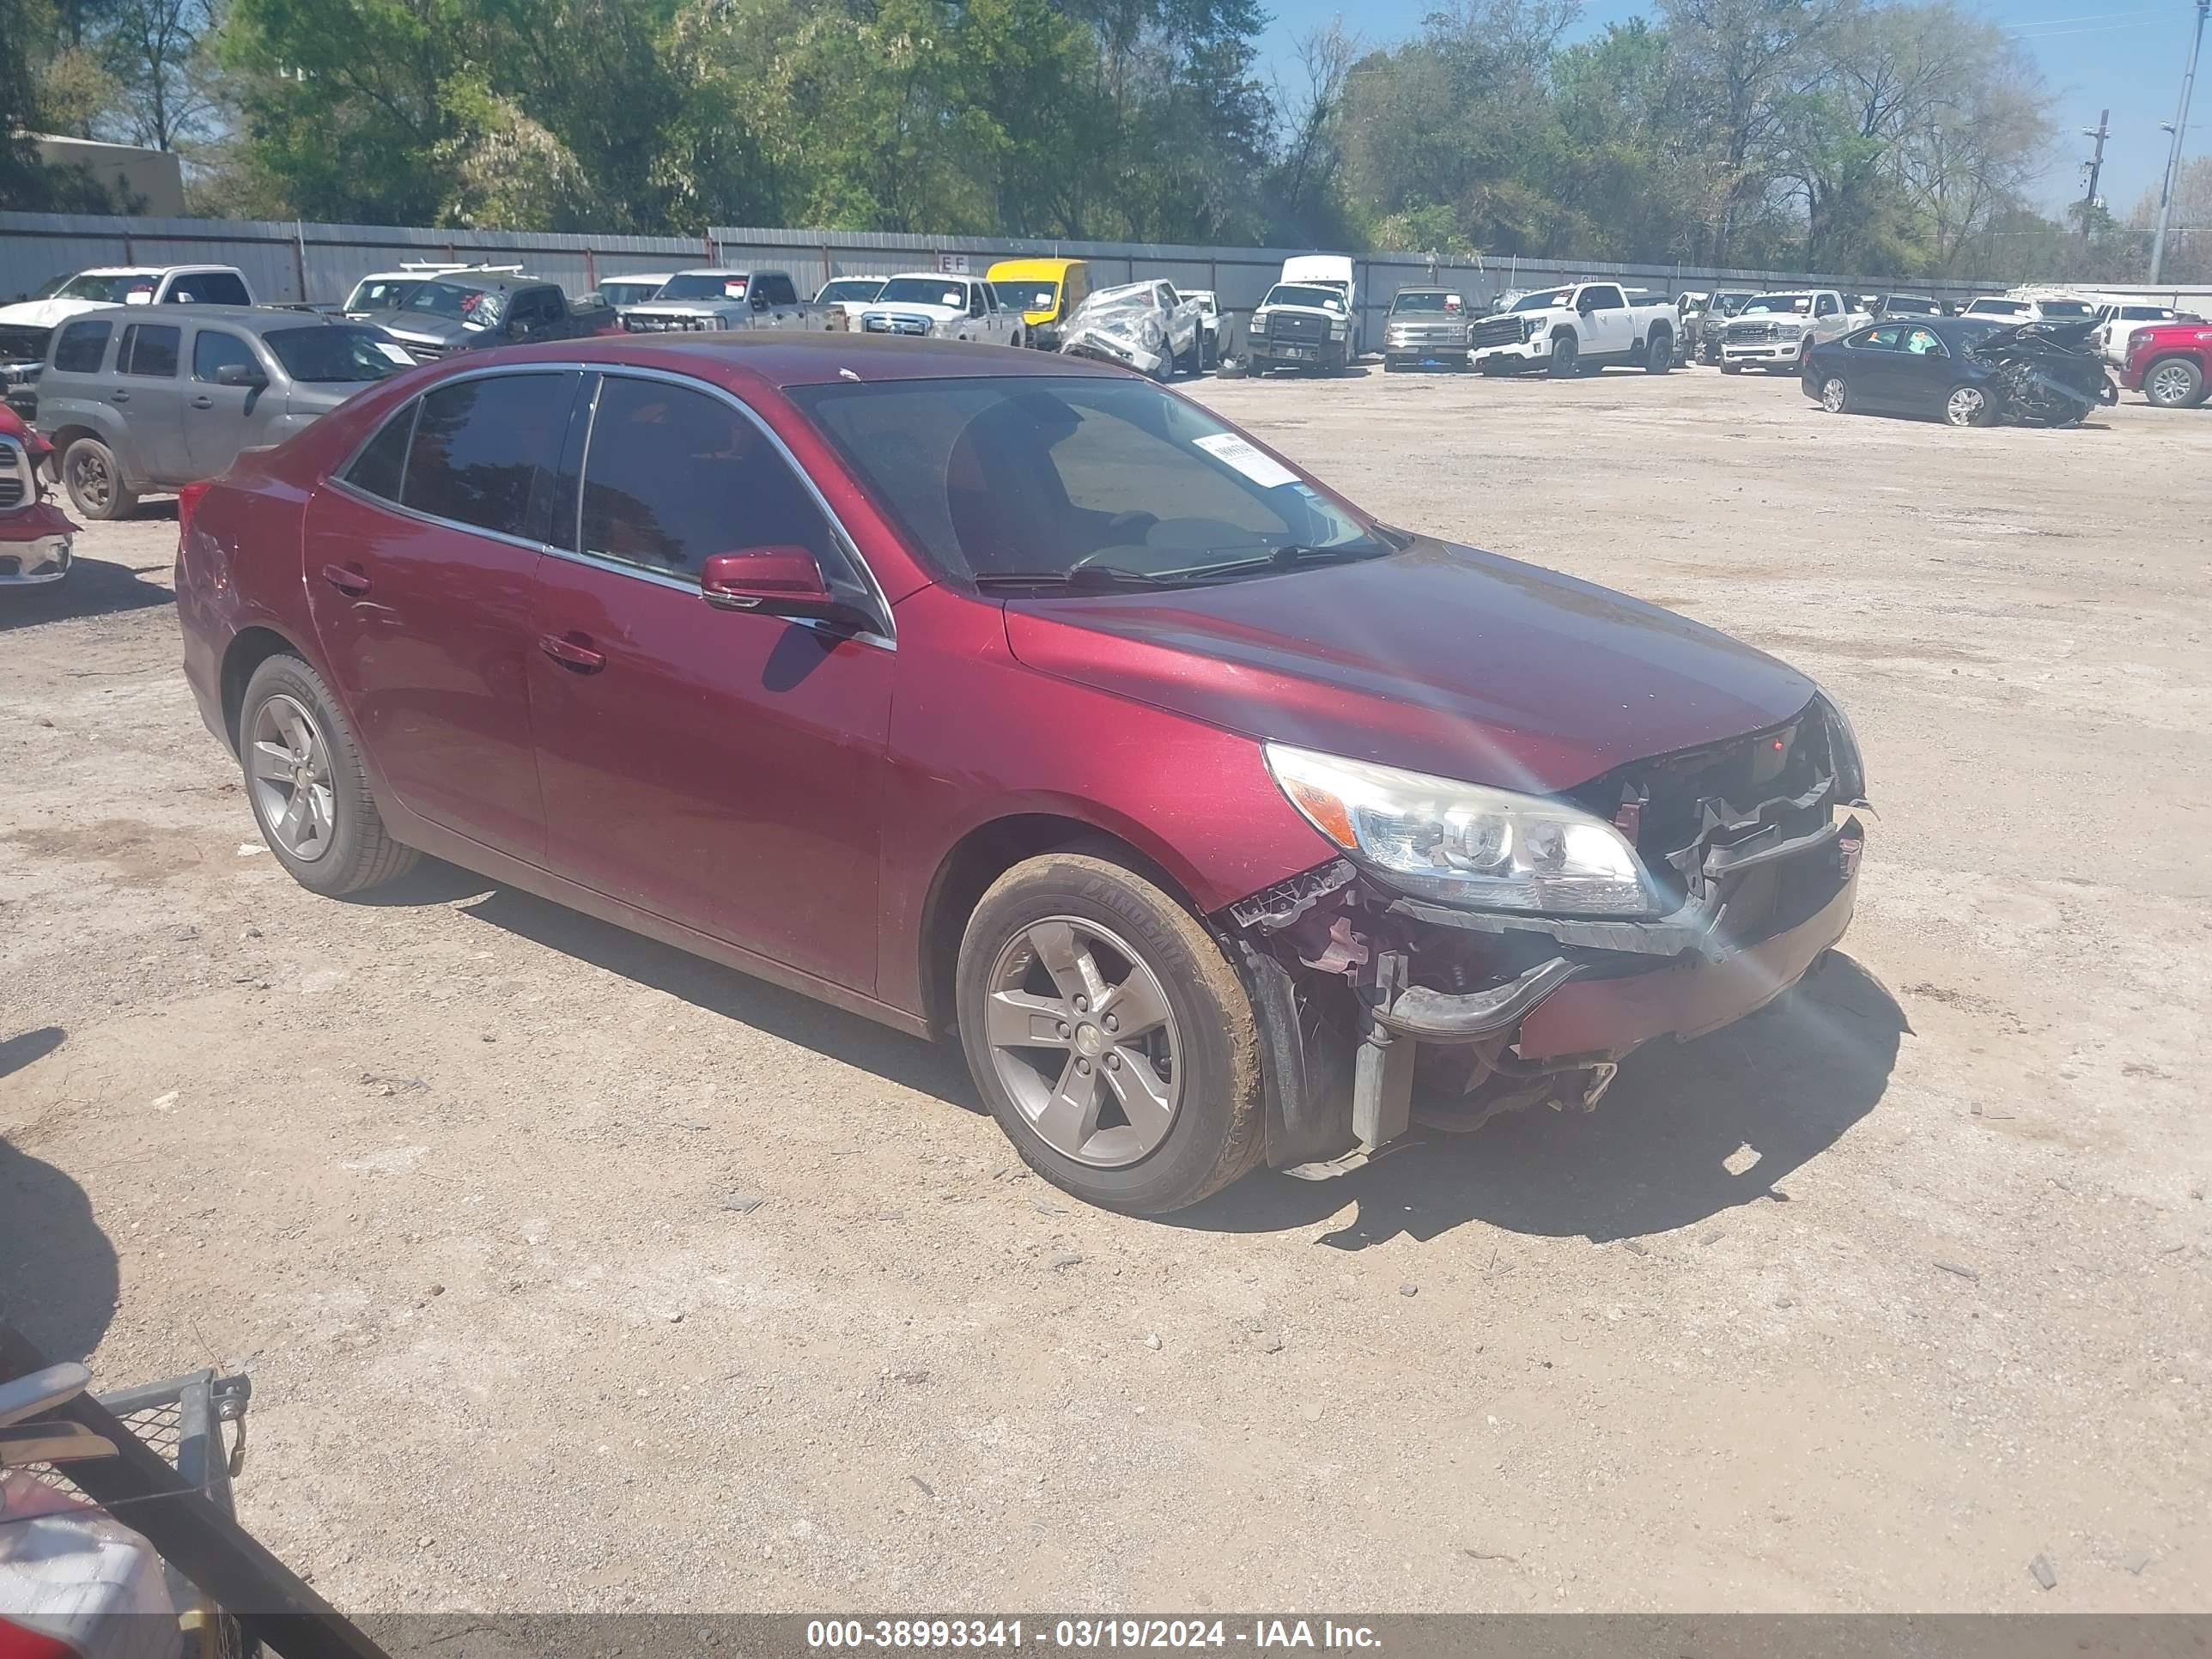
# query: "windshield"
(1729, 304)
(1974, 331)
(1026, 295)
(629, 292)
(107, 290)
(2066, 311)
(1064, 479)
(1547, 300)
(337, 353)
(1206, 302)
(473, 304)
(1426, 302)
(703, 285)
(1320, 299)
(860, 288)
(380, 293)
(1897, 303)
(1997, 309)
(1786, 305)
(923, 291)
(51, 286)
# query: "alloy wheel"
(1834, 394)
(1082, 1037)
(89, 479)
(1965, 405)
(290, 762)
(2170, 385)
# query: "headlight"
(1462, 842)
(1259, 323)
(1844, 751)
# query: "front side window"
(1879, 339)
(216, 349)
(381, 466)
(150, 349)
(778, 289)
(675, 476)
(1074, 479)
(480, 447)
(975, 300)
(79, 347)
(1602, 298)
(345, 356)
(1922, 343)
(1826, 306)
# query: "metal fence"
(293, 261)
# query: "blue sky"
(2124, 55)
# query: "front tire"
(95, 481)
(1728, 367)
(1566, 359)
(1109, 1035)
(307, 785)
(2173, 383)
(1968, 405)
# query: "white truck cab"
(1774, 331)
(1580, 327)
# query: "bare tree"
(1310, 154)
(156, 51)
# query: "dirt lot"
(1861, 1305)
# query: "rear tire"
(2173, 383)
(286, 706)
(95, 481)
(1659, 353)
(1203, 1053)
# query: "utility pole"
(2094, 166)
(2173, 154)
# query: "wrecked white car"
(1147, 326)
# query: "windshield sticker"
(735, 288)
(1233, 452)
(397, 353)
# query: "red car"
(985, 693)
(2171, 364)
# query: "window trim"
(886, 640)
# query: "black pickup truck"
(459, 311)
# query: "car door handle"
(345, 578)
(202, 402)
(573, 651)
(120, 395)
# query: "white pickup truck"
(1775, 331)
(1568, 330)
(950, 307)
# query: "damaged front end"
(1118, 328)
(1379, 1006)
(36, 537)
(2048, 373)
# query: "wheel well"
(980, 858)
(67, 435)
(253, 647)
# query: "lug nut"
(1064, 1029)
(1083, 1005)
(1083, 1068)
(1112, 1062)
(1112, 1024)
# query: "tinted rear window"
(378, 469)
(208, 288)
(81, 348)
(480, 447)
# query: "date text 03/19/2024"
(1086, 1635)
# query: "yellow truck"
(1044, 291)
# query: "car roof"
(143, 271)
(1053, 268)
(779, 358)
(254, 319)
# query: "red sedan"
(985, 693)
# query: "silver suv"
(136, 402)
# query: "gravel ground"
(576, 1274)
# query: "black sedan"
(1910, 366)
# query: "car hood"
(681, 307)
(44, 313)
(1440, 658)
(420, 328)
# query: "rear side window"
(480, 447)
(216, 349)
(81, 347)
(149, 349)
(674, 477)
(208, 288)
(379, 467)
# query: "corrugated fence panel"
(316, 262)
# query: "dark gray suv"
(136, 402)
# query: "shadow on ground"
(57, 1271)
(1687, 1131)
(94, 588)
(930, 1068)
